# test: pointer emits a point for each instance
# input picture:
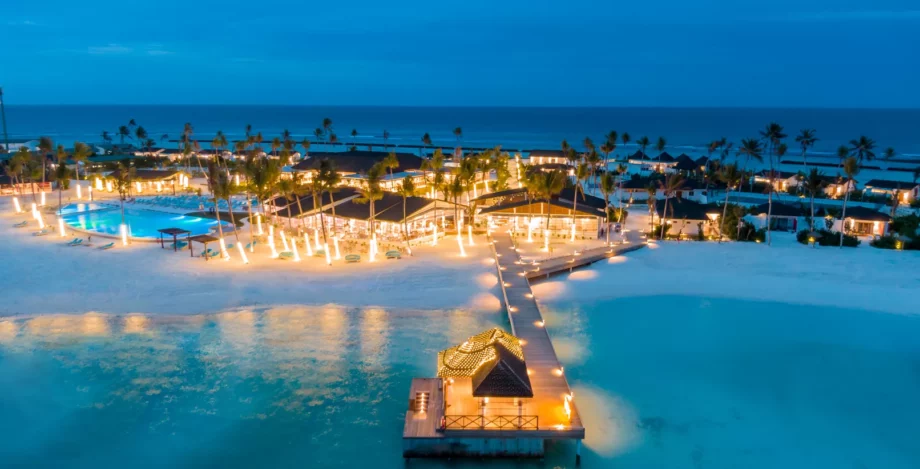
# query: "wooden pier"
(551, 414)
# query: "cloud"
(109, 49)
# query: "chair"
(43, 232)
(352, 258)
(105, 247)
(251, 245)
(180, 244)
(74, 242)
(319, 253)
(394, 254)
(21, 224)
(286, 255)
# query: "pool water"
(106, 219)
(674, 382)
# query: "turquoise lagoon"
(661, 382)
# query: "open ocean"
(686, 129)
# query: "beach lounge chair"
(43, 232)
(286, 255)
(74, 242)
(394, 254)
(352, 258)
(251, 245)
(21, 224)
(319, 253)
(181, 244)
(208, 253)
(105, 247)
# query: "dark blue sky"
(787, 53)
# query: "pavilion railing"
(491, 422)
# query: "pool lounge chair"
(180, 244)
(43, 232)
(251, 245)
(105, 247)
(352, 258)
(21, 224)
(208, 253)
(394, 255)
(286, 255)
(319, 253)
(74, 242)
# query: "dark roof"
(551, 153)
(149, 174)
(665, 157)
(867, 214)
(583, 199)
(682, 208)
(358, 161)
(505, 375)
(685, 163)
(888, 184)
(777, 174)
(779, 210)
(702, 160)
(638, 155)
(204, 238)
(388, 209)
(306, 201)
(565, 205)
(504, 193)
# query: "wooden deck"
(425, 424)
(568, 263)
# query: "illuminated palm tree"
(670, 186)
(814, 185)
(222, 188)
(582, 173)
(548, 184)
(275, 145)
(81, 152)
(625, 138)
(327, 127)
(731, 176)
(851, 169)
(370, 193)
(607, 186)
(391, 162)
(406, 190)
(660, 145)
(45, 147)
(330, 179)
(61, 175)
(750, 149)
(806, 139)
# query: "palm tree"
(122, 180)
(643, 143)
(223, 189)
(333, 138)
(370, 193)
(81, 152)
(318, 133)
(806, 139)
(285, 188)
(651, 190)
(548, 184)
(862, 148)
(621, 175)
(141, 135)
(407, 189)
(218, 183)
(773, 135)
(582, 173)
(330, 179)
(889, 153)
(607, 186)
(106, 138)
(354, 138)
(458, 132)
(731, 176)
(391, 162)
(123, 131)
(814, 185)
(670, 186)
(386, 136)
(61, 175)
(327, 127)
(45, 146)
(751, 149)
(275, 145)
(851, 169)
(625, 138)
(660, 145)
(426, 140)
(842, 153)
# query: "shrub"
(655, 233)
(699, 233)
(615, 213)
(892, 242)
(751, 234)
(828, 238)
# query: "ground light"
(79, 192)
(469, 232)
(284, 241)
(306, 244)
(61, 226)
(546, 240)
(316, 239)
(373, 248)
(335, 243)
(43, 199)
(91, 193)
(259, 223)
(460, 243)
(573, 230)
(223, 249)
(242, 253)
(434, 239)
(294, 248)
(16, 205)
(124, 234)
(271, 240)
(326, 250)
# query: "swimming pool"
(106, 219)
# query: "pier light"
(506, 284)
(513, 309)
(528, 295)
(529, 372)
(521, 274)
(539, 323)
(523, 342)
(567, 408)
(242, 251)
(558, 371)
(61, 226)
(559, 427)
(503, 268)
(16, 205)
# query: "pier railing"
(491, 422)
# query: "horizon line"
(423, 106)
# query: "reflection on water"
(281, 386)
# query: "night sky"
(786, 53)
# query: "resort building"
(544, 157)
(636, 190)
(863, 221)
(353, 165)
(686, 218)
(145, 181)
(514, 207)
(785, 181)
(906, 192)
(664, 162)
(783, 217)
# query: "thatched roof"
(493, 359)
(358, 161)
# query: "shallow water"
(660, 382)
(719, 383)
